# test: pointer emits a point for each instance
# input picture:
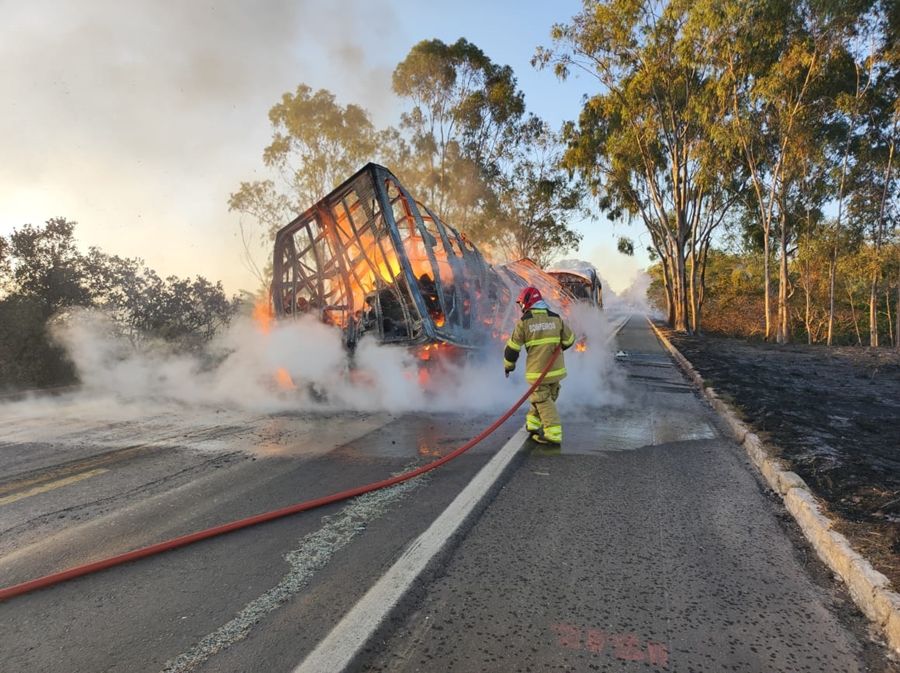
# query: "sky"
(138, 119)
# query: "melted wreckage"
(371, 260)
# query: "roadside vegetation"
(773, 121)
(44, 277)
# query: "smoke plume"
(301, 365)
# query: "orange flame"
(284, 380)
(429, 452)
(581, 347)
(424, 377)
(263, 314)
(428, 351)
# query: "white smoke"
(239, 370)
(593, 378)
(634, 297)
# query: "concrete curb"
(868, 587)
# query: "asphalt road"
(254, 600)
(647, 544)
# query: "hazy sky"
(138, 119)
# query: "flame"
(284, 380)
(424, 377)
(428, 351)
(263, 314)
(431, 453)
(581, 346)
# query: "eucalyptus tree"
(643, 143)
(464, 118)
(873, 206)
(537, 200)
(316, 144)
(778, 64)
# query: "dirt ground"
(834, 415)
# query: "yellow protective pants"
(543, 413)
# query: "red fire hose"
(181, 541)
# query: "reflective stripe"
(553, 433)
(570, 342)
(509, 365)
(532, 422)
(512, 344)
(534, 376)
(545, 340)
(542, 311)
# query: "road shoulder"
(870, 589)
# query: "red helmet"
(529, 297)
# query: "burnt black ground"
(832, 414)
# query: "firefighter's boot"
(553, 434)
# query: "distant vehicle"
(580, 279)
(372, 260)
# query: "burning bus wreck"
(371, 260)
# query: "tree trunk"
(832, 272)
(890, 322)
(807, 319)
(695, 318)
(897, 312)
(681, 309)
(873, 311)
(783, 335)
(667, 286)
(853, 315)
(767, 290)
(702, 289)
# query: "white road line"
(341, 646)
(313, 553)
(346, 640)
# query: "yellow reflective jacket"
(540, 331)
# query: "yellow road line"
(51, 474)
(51, 486)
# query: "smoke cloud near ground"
(593, 377)
(300, 365)
(634, 297)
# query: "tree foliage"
(463, 123)
(536, 200)
(464, 145)
(763, 114)
(45, 275)
(643, 143)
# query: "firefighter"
(541, 332)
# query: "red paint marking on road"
(626, 647)
(622, 646)
(568, 636)
(657, 654)
(596, 640)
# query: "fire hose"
(190, 538)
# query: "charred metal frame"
(370, 259)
